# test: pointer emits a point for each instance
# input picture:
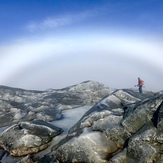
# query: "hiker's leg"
(140, 89)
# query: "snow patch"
(71, 117)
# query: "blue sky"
(57, 43)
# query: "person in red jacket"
(140, 85)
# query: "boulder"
(143, 147)
(146, 109)
(120, 157)
(147, 144)
(26, 137)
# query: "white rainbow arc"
(60, 55)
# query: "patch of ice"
(71, 117)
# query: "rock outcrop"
(26, 137)
(18, 105)
(120, 126)
(21, 108)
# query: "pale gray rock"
(88, 147)
(142, 146)
(145, 109)
(18, 105)
(99, 133)
(147, 144)
(122, 126)
(119, 157)
(111, 131)
(27, 137)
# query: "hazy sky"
(57, 43)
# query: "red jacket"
(140, 82)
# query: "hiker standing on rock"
(140, 85)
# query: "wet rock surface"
(26, 137)
(120, 126)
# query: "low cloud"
(59, 21)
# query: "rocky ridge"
(26, 105)
(120, 126)
(21, 109)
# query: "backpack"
(142, 82)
